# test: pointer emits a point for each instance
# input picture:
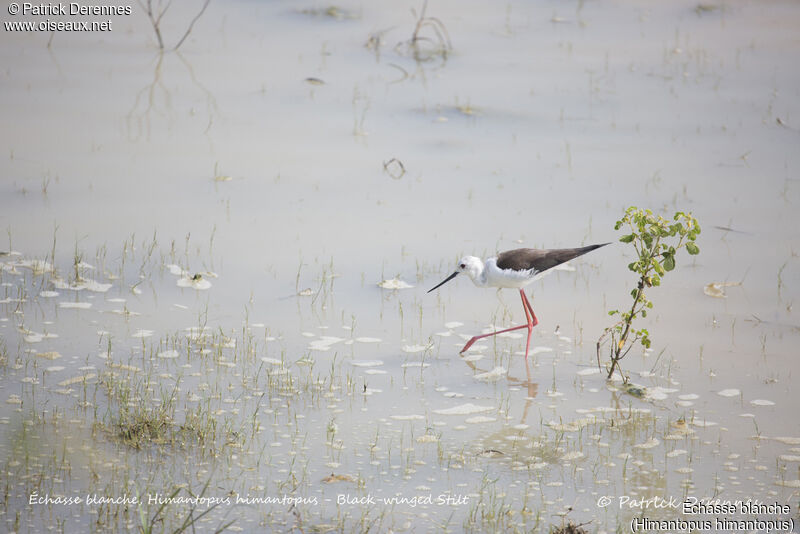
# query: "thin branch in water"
(163, 12)
(191, 24)
(154, 21)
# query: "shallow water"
(283, 371)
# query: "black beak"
(443, 282)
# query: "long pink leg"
(531, 322)
(476, 338)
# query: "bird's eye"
(463, 266)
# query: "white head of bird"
(472, 267)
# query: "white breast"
(497, 277)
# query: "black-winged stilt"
(514, 268)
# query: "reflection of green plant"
(654, 239)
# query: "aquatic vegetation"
(429, 40)
(348, 413)
(655, 241)
(394, 168)
(155, 14)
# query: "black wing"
(523, 259)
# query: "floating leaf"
(492, 376)
(195, 282)
(636, 391)
(75, 305)
(366, 363)
(394, 283)
(649, 444)
(714, 290)
(464, 409)
(337, 478)
(413, 349)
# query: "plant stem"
(624, 336)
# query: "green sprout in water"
(656, 241)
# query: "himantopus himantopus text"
(514, 268)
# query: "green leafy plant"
(656, 241)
